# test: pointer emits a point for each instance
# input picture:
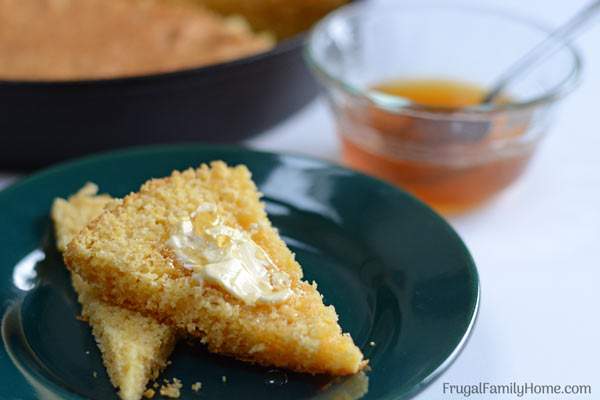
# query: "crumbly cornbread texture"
(70, 216)
(171, 390)
(124, 255)
(134, 348)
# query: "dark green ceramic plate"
(397, 274)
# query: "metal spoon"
(554, 42)
(441, 132)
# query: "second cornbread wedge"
(134, 348)
(127, 254)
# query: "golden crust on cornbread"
(123, 254)
(134, 348)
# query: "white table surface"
(539, 319)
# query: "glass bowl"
(453, 159)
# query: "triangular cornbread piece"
(127, 255)
(134, 348)
(72, 215)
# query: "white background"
(536, 247)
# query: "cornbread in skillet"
(284, 18)
(128, 255)
(134, 348)
(89, 39)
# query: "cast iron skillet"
(44, 122)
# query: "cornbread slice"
(125, 256)
(134, 348)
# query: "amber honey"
(451, 160)
(435, 92)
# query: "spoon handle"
(546, 48)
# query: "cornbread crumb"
(171, 390)
(197, 386)
(134, 348)
(124, 255)
(149, 393)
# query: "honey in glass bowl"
(430, 136)
(449, 160)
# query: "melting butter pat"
(229, 258)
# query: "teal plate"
(400, 278)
